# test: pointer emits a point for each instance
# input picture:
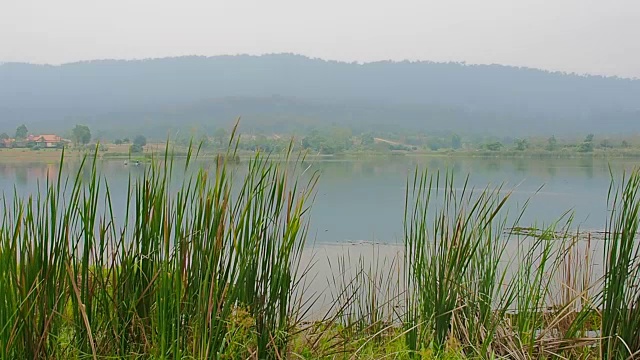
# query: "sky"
(581, 36)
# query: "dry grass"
(28, 155)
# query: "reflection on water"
(521, 165)
(551, 169)
(363, 199)
(21, 176)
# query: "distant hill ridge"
(291, 90)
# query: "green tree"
(585, 147)
(367, 140)
(494, 146)
(135, 148)
(335, 141)
(313, 140)
(4, 136)
(522, 144)
(456, 141)
(22, 132)
(138, 145)
(118, 141)
(552, 143)
(221, 137)
(140, 140)
(625, 144)
(587, 144)
(340, 137)
(437, 143)
(81, 134)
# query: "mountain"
(285, 92)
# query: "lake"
(359, 204)
(362, 200)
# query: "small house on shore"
(47, 140)
(35, 141)
(7, 143)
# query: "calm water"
(363, 200)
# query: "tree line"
(80, 136)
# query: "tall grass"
(166, 280)
(449, 259)
(478, 288)
(210, 266)
(365, 291)
(621, 294)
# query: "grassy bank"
(544, 154)
(121, 152)
(28, 155)
(212, 268)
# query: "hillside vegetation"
(294, 93)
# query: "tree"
(135, 148)
(494, 146)
(606, 143)
(456, 141)
(81, 134)
(587, 144)
(367, 139)
(522, 144)
(4, 138)
(221, 137)
(312, 140)
(138, 144)
(22, 132)
(585, 147)
(341, 138)
(330, 141)
(140, 140)
(552, 143)
(118, 142)
(437, 143)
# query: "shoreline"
(53, 155)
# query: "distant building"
(47, 140)
(7, 143)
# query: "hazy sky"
(584, 36)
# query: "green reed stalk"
(167, 280)
(621, 292)
(441, 244)
(365, 293)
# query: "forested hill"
(285, 91)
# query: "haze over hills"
(294, 93)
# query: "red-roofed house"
(47, 140)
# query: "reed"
(365, 293)
(621, 292)
(451, 265)
(169, 279)
(474, 286)
(209, 265)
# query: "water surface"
(363, 199)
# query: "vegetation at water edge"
(207, 268)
